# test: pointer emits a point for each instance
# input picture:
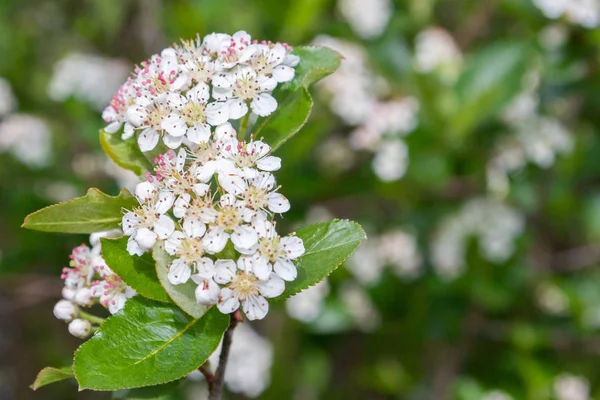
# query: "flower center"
(191, 250)
(262, 65)
(246, 88)
(229, 218)
(193, 112)
(271, 249)
(146, 215)
(156, 116)
(244, 285)
(255, 197)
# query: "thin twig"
(216, 388)
(209, 376)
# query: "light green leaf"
(183, 294)
(287, 120)
(125, 153)
(138, 272)
(50, 375)
(316, 62)
(147, 343)
(94, 212)
(327, 245)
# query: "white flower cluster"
(583, 12)
(571, 387)
(367, 19)
(189, 88)
(89, 280)
(436, 51)
(355, 96)
(220, 192)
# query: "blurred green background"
(461, 133)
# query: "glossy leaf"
(94, 212)
(147, 343)
(125, 153)
(327, 245)
(316, 62)
(182, 295)
(50, 375)
(138, 272)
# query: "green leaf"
(138, 272)
(183, 294)
(316, 62)
(327, 245)
(125, 153)
(147, 343)
(287, 120)
(50, 375)
(149, 392)
(94, 212)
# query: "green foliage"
(147, 343)
(183, 294)
(94, 212)
(327, 245)
(138, 272)
(316, 62)
(125, 153)
(50, 375)
(159, 392)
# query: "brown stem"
(215, 386)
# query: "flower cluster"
(209, 198)
(88, 280)
(189, 88)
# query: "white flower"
(65, 310)
(273, 254)
(247, 289)
(115, 115)
(391, 160)
(231, 50)
(571, 387)
(436, 50)
(28, 138)
(82, 271)
(368, 19)
(242, 86)
(84, 297)
(80, 328)
(582, 12)
(111, 291)
(308, 304)
(207, 292)
(188, 249)
(249, 156)
(229, 223)
(271, 59)
(399, 249)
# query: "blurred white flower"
(553, 36)
(551, 299)
(542, 138)
(359, 306)
(90, 78)
(318, 214)
(60, 191)
(496, 395)
(308, 304)
(492, 222)
(399, 250)
(334, 155)
(391, 160)
(8, 102)
(436, 50)
(582, 12)
(250, 359)
(366, 263)
(571, 387)
(27, 138)
(367, 19)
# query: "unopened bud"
(69, 293)
(84, 297)
(65, 310)
(80, 328)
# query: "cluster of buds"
(189, 88)
(88, 280)
(205, 198)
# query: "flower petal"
(255, 307)
(228, 301)
(278, 203)
(179, 272)
(273, 287)
(285, 269)
(293, 246)
(148, 139)
(207, 292)
(164, 227)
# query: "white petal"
(200, 189)
(180, 160)
(262, 268)
(215, 240)
(174, 124)
(217, 113)
(175, 100)
(228, 301)
(273, 287)
(199, 93)
(223, 274)
(206, 172)
(237, 108)
(128, 131)
(173, 242)
(221, 94)
(205, 267)
(244, 238)
(145, 238)
(165, 201)
(232, 182)
(293, 246)
(278, 203)
(285, 269)
(133, 247)
(136, 115)
(179, 272)
(173, 142)
(258, 148)
(207, 292)
(144, 191)
(255, 307)
(148, 139)
(129, 223)
(220, 82)
(164, 227)
(267, 84)
(269, 163)
(225, 132)
(194, 227)
(113, 127)
(199, 133)
(181, 205)
(263, 104)
(283, 73)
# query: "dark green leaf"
(148, 393)
(182, 295)
(316, 62)
(94, 212)
(327, 245)
(147, 343)
(125, 153)
(50, 375)
(137, 272)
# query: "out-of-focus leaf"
(50, 375)
(147, 343)
(158, 392)
(138, 272)
(94, 212)
(125, 153)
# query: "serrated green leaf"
(138, 272)
(94, 212)
(183, 294)
(50, 375)
(148, 393)
(147, 343)
(287, 120)
(125, 153)
(327, 245)
(316, 62)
